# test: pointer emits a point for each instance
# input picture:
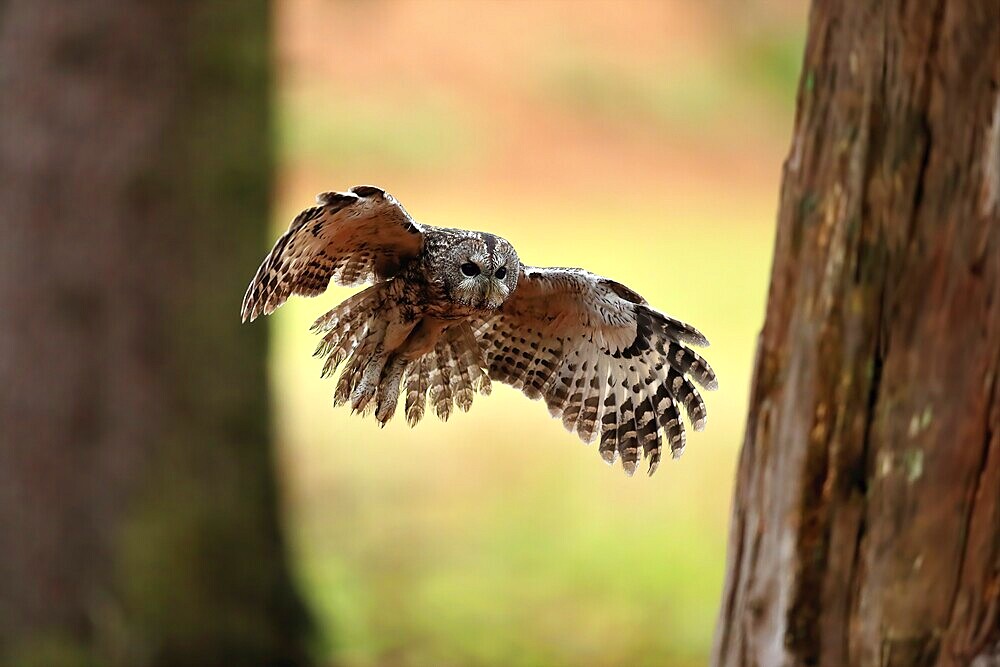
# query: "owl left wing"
(605, 361)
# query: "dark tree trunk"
(866, 519)
(138, 508)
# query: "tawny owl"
(451, 310)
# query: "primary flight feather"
(449, 310)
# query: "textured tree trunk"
(866, 519)
(138, 509)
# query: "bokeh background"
(641, 140)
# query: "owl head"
(479, 270)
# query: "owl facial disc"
(482, 271)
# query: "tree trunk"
(138, 508)
(866, 519)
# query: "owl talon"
(384, 412)
(360, 398)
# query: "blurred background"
(176, 489)
(641, 140)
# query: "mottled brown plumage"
(452, 310)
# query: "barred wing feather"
(608, 364)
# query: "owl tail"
(450, 373)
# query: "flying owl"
(449, 311)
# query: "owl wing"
(603, 359)
(352, 237)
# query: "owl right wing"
(351, 237)
(603, 359)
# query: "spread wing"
(352, 237)
(604, 360)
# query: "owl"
(447, 312)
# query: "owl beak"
(496, 293)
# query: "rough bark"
(138, 508)
(866, 519)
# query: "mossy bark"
(139, 520)
(867, 506)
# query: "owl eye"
(469, 269)
(501, 272)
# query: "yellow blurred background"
(640, 140)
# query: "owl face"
(481, 271)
